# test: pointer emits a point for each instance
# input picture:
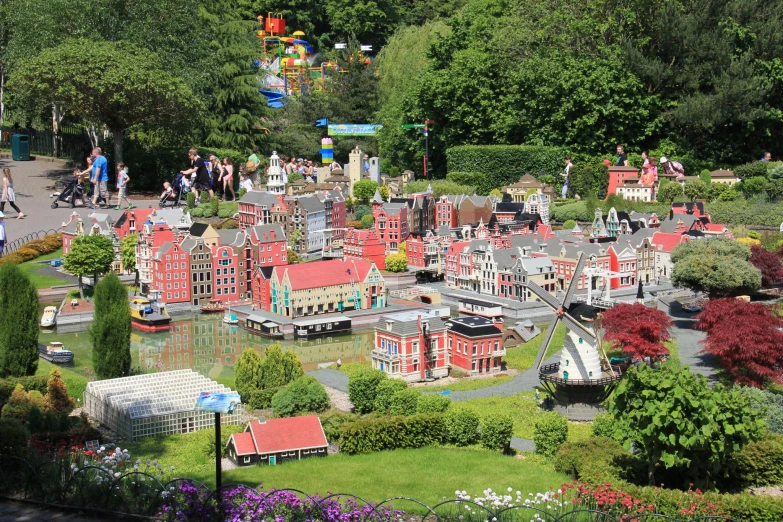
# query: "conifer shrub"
(550, 432)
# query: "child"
(245, 183)
(122, 186)
(168, 192)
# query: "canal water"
(205, 344)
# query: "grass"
(186, 452)
(468, 384)
(523, 410)
(523, 356)
(351, 368)
(33, 270)
(75, 382)
(426, 474)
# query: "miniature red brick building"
(475, 344)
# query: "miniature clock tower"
(274, 182)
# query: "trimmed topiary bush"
(433, 403)
(303, 395)
(569, 224)
(404, 402)
(496, 432)
(384, 393)
(550, 432)
(362, 389)
(761, 463)
(462, 427)
(384, 433)
(603, 426)
(594, 459)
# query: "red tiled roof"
(667, 240)
(288, 434)
(325, 273)
(715, 227)
(545, 231)
(243, 443)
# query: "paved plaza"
(34, 182)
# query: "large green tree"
(234, 103)
(115, 84)
(675, 420)
(717, 266)
(18, 323)
(91, 254)
(111, 329)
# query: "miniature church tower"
(274, 182)
(538, 204)
(599, 230)
(355, 167)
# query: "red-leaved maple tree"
(770, 264)
(746, 338)
(638, 330)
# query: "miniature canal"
(207, 345)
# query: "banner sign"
(218, 402)
(351, 129)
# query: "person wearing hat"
(2, 233)
(672, 167)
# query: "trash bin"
(20, 147)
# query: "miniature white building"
(579, 359)
(354, 167)
(274, 180)
(538, 204)
(635, 192)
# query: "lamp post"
(426, 130)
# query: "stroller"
(72, 193)
(179, 187)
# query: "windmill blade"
(577, 275)
(545, 344)
(543, 295)
(576, 327)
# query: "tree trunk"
(119, 141)
(81, 287)
(136, 283)
(651, 473)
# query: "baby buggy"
(72, 193)
(178, 187)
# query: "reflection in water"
(207, 345)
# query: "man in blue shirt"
(100, 177)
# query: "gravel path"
(339, 399)
(331, 379)
(688, 340)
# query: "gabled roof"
(231, 237)
(311, 204)
(667, 241)
(722, 173)
(670, 224)
(243, 443)
(377, 197)
(393, 208)
(527, 181)
(197, 229)
(258, 197)
(325, 273)
(140, 214)
(268, 233)
(286, 434)
(715, 227)
(510, 207)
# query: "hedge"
(499, 165)
(34, 249)
(385, 433)
(746, 212)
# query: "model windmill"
(578, 383)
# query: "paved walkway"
(688, 342)
(21, 512)
(34, 181)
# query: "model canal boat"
(55, 353)
(213, 307)
(230, 318)
(149, 316)
(49, 318)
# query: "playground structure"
(287, 64)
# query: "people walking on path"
(227, 179)
(8, 195)
(2, 233)
(565, 174)
(198, 166)
(251, 166)
(216, 169)
(122, 186)
(100, 177)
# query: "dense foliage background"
(700, 80)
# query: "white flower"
(510, 490)
(117, 475)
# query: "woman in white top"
(8, 195)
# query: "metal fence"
(18, 243)
(71, 142)
(140, 495)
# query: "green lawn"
(75, 381)
(522, 357)
(427, 474)
(523, 410)
(468, 384)
(40, 280)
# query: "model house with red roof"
(171, 273)
(664, 243)
(326, 286)
(364, 245)
(391, 222)
(275, 441)
(475, 345)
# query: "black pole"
(426, 152)
(218, 458)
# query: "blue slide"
(274, 99)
